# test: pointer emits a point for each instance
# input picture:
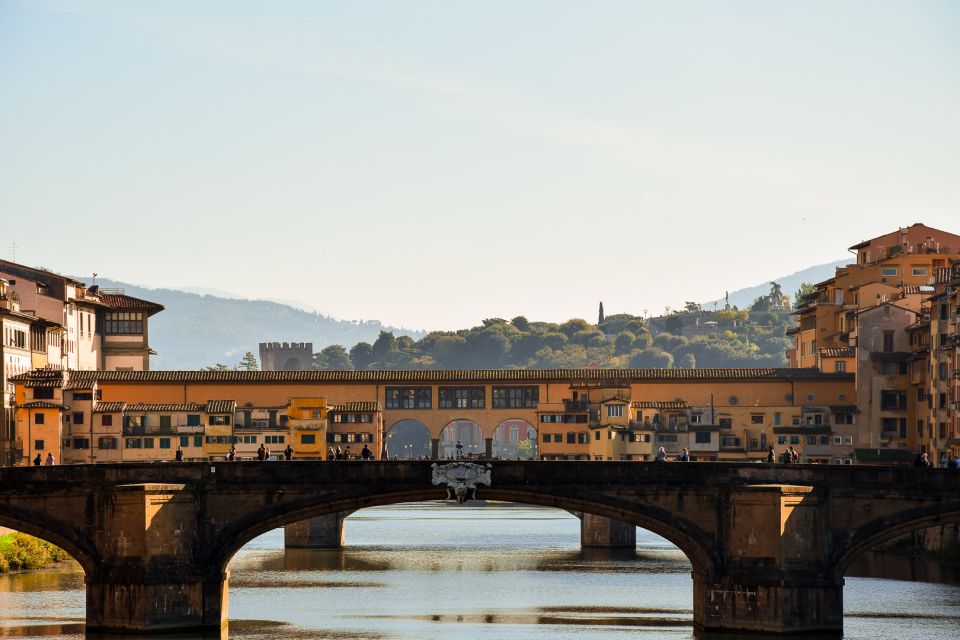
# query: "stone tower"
(286, 356)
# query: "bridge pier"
(774, 578)
(488, 447)
(151, 577)
(435, 448)
(597, 531)
(322, 532)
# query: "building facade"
(583, 414)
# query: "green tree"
(571, 327)
(333, 358)
(384, 346)
(521, 323)
(623, 343)
(217, 367)
(361, 354)
(674, 324)
(776, 296)
(652, 358)
(248, 363)
(804, 294)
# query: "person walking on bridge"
(661, 455)
(771, 454)
(261, 453)
(50, 461)
(684, 455)
(288, 453)
(366, 453)
(37, 461)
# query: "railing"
(576, 406)
(149, 431)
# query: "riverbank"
(20, 552)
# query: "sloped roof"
(351, 407)
(457, 375)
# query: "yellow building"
(307, 424)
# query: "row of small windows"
(349, 437)
(353, 417)
(526, 397)
(123, 323)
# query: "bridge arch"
(699, 548)
(515, 439)
(465, 431)
(888, 528)
(408, 438)
(79, 549)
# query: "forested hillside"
(693, 337)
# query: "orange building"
(598, 414)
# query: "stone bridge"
(768, 544)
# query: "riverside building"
(579, 414)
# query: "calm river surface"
(428, 570)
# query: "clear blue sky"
(430, 164)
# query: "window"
(887, 341)
(273, 439)
(696, 418)
(596, 435)
(756, 418)
(546, 437)
(193, 420)
(219, 420)
(81, 443)
(107, 442)
(198, 441)
(43, 393)
(516, 397)
(148, 443)
(38, 418)
(893, 400)
(308, 438)
(781, 439)
(123, 323)
(840, 366)
(729, 441)
(667, 439)
(409, 397)
(184, 441)
(843, 418)
(615, 410)
(77, 418)
(726, 423)
(132, 443)
(164, 443)
(888, 271)
(583, 438)
(794, 439)
(702, 437)
(106, 420)
(811, 440)
(571, 438)
(919, 271)
(133, 421)
(848, 440)
(166, 422)
(461, 398)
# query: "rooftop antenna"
(94, 279)
(13, 252)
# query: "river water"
(431, 570)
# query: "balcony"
(576, 406)
(149, 431)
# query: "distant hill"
(743, 298)
(201, 330)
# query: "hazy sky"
(430, 164)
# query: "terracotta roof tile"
(110, 407)
(221, 406)
(656, 404)
(164, 407)
(844, 352)
(450, 376)
(123, 301)
(349, 407)
(43, 404)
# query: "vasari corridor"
(418, 320)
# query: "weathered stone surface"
(768, 543)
